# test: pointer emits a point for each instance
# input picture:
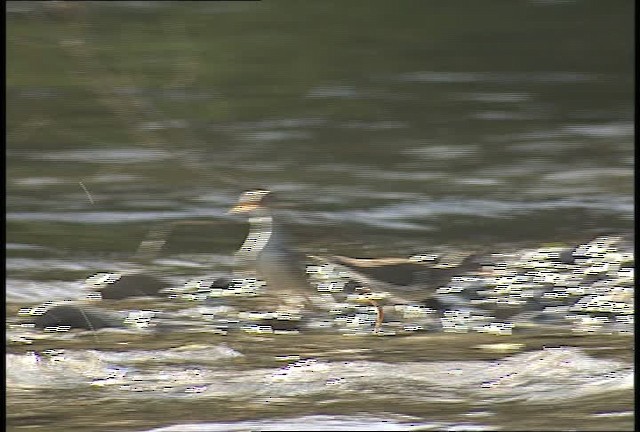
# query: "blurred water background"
(387, 128)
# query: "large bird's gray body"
(266, 255)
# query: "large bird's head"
(254, 202)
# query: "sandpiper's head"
(253, 201)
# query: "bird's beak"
(243, 208)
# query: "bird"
(403, 278)
(268, 254)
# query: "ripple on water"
(325, 423)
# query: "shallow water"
(386, 131)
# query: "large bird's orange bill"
(244, 208)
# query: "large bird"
(267, 254)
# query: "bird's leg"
(379, 314)
(372, 302)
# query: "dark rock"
(221, 283)
(281, 324)
(133, 285)
(76, 316)
(566, 256)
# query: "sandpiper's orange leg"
(379, 314)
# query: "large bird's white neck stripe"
(259, 235)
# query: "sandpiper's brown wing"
(406, 279)
(395, 271)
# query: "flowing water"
(387, 129)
